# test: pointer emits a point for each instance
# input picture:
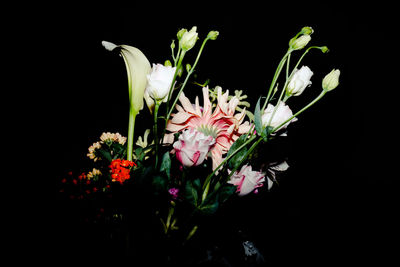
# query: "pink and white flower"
(192, 147)
(247, 180)
(222, 124)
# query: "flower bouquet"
(198, 153)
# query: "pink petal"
(186, 103)
(181, 117)
(206, 103)
(175, 127)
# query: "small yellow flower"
(92, 150)
(94, 172)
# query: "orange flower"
(120, 170)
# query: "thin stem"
(245, 157)
(168, 222)
(300, 111)
(192, 232)
(171, 89)
(186, 79)
(208, 179)
(276, 75)
(287, 67)
(157, 105)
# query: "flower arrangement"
(197, 154)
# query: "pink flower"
(247, 180)
(222, 124)
(173, 192)
(192, 147)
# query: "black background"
(336, 203)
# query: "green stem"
(208, 179)
(186, 79)
(157, 105)
(168, 222)
(300, 111)
(131, 129)
(192, 232)
(276, 75)
(245, 157)
(171, 89)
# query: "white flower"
(159, 82)
(247, 180)
(331, 80)
(137, 67)
(188, 39)
(273, 169)
(282, 113)
(92, 149)
(299, 81)
(192, 147)
(112, 137)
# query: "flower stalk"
(186, 79)
(156, 107)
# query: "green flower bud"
(180, 33)
(307, 30)
(188, 39)
(324, 49)
(213, 35)
(167, 63)
(173, 44)
(188, 67)
(331, 80)
(299, 43)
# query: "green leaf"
(119, 151)
(225, 192)
(139, 154)
(209, 209)
(166, 164)
(235, 160)
(105, 154)
(192, 189)
(257, 118)
(159, 183)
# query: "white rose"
(299, 81)
(282, 113)
(159, 81)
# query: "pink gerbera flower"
(222, 124)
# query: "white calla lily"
(137, 68)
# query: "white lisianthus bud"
(300, 43)
(282, 113)
(331, 80)
(188, 39)
(299, 81)
(159, 81)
